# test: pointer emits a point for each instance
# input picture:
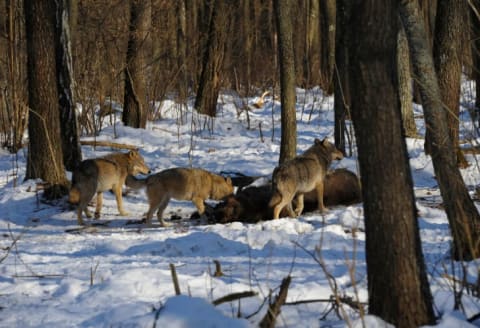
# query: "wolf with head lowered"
(304, 173)
(180, 183)
(101, 174)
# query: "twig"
(234, 297)
(175, 279)
(218, 269)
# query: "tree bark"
(288, 146)
(405, 85)
(462, 214)
(450, 36)
(45, 158)
(398, 287)
(72, 152)
(209, 85)
(340, 74)
(328, 17)
(135, 105)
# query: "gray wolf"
(192, 184)
(342, 187)
(305, 172)
(101, 174)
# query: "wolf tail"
(74, 196)
(135, 183)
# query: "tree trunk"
(72, 152)
(340, 74)
(328, 17)
(135, 105)
(287, 79)
(475, 36)
(209, 85)
(450, 36)
(462, 214)
(182, 85)
(45, 158)
(405, 85)
(398, 287)
(311, 64)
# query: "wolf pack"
(301, 184)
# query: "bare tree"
(340, 73)
(135, 101)
(209, 85)
(405, 85)
(72, 152)
(288, 144)
(450, 36)
(398, 289)
(328, 17)
(45, 158)
(462, 214)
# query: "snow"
(119, 276)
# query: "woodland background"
(376, 57)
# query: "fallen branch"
(234, 297)
(97, 143)
(345, 299)
(270, 317)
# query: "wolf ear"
(325, 142)
(317, 141)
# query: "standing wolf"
(300, 175)
(102, 174)
(192, 184)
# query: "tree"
(462, 214)
(398, 289)
(287, 79)
(328, 12)
(209, 85)
(72, 152)
(135, 100)
(340, 74)
(45, 158)
(450, 36)
(405, 85)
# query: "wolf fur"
(302, 174)
(102, 174)
(342, 187)
(192, 184)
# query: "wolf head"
(221, 186)
(329, 148)
(136, 163)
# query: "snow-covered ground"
(119, 275)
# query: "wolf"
(101, 174)
(302, 174)
(250, 204)
(179, 183)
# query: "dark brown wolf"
(306, 172)
(342, 187)
(192, 184)
(102, 174)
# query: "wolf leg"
(161, 208)
(198, 201)
(319, 189)
(117, 189)
(278, 208)
(299, 207)
(98, 208)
